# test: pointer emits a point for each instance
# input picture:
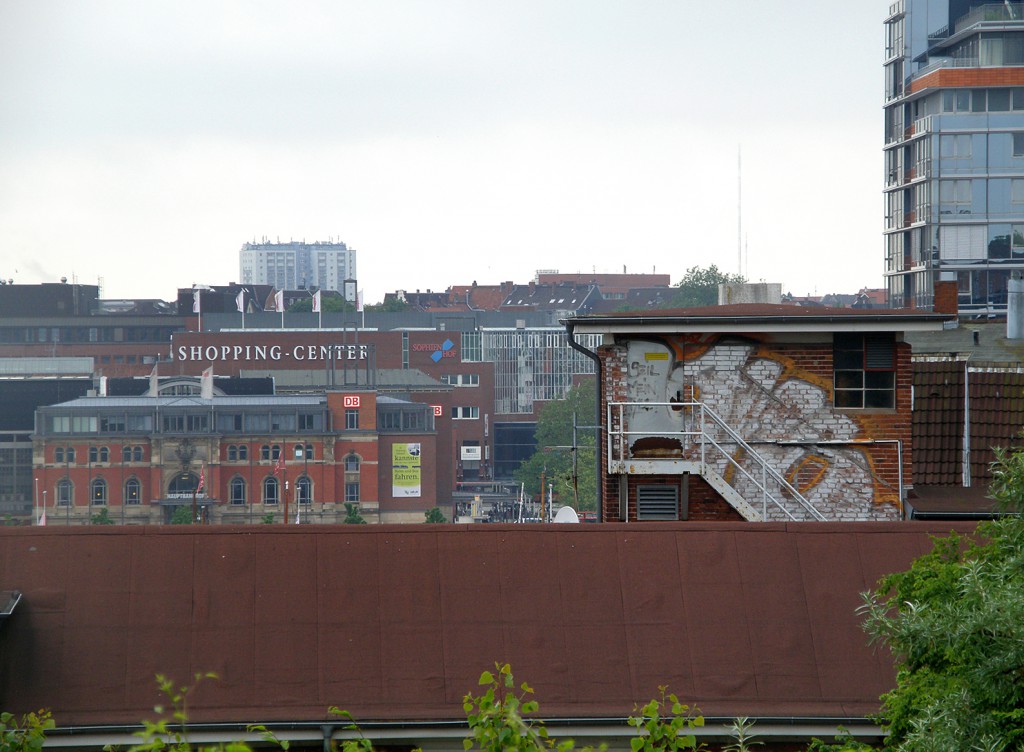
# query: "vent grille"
(657, 502)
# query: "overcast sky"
(142, 143)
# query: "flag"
(316, 302)
(359, 301)
(298, 514)
(202, 479)
(240, 301)
(154, 381)
(279, 467)
(206, 384)
(279, 301)
(42, 518)
(195, 301)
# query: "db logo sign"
(351, 400)
(438, 411)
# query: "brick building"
(753, 412)
(235, 460)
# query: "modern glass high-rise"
(954, 150)
(293, 265)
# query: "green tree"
(267, 519)
(102, 518)
(352, 516)
(182, 515)
(554, 455)
(328, 304)
(434, 516)
(699, 287)
(390, 305)
(955, 623)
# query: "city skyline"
(447, 143)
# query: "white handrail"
(617, 443)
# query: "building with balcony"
(954, 151)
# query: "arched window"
(232, 453)
(98, 492)
(351, 463)
(65, 493)
(136, 454)
(236, 491)
(275, 451)
(304, 490)
(58, 454)
(126, 454)
(132, 491)
(271, 490)
(104, 454)
(265, 453)
(299, 451)
(183, 484)
(94, 454)
(69, 455)
(243, 452)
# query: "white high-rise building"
(296, 265)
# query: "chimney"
(946, 297)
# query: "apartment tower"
(298, 265)
(954, 151)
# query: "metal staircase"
(707, 446)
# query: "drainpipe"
(570, 325)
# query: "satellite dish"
(566, 514)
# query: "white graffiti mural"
(781, 412)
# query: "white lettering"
(275, 352)
(311, 352)
(362, 352)
(237, 352)
(261, 352)
(225, 350)
(297, 352)
(211, 352)
(196, 352)
(182, 352)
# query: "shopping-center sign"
(255, 353)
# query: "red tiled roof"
(396, 623)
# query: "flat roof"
(758, 317)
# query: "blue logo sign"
(438, 354)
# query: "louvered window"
(865, 370)
(657, 502)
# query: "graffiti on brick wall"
(784, 413)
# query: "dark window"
(304, 490)
(232, 453)
(351, 419)
(132, 491)
(236, 491)
(351, 492)
(270, 491)
(98, 492)
(65, 493)
(865, 370)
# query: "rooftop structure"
(298, 264)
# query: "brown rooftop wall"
(397, 622)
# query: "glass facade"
(954, 151)
(532, 365)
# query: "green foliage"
(664, 723)
(102, 518)
(955, 622)
(740, 730)
(328, 304)
(497, 719)
(267, 519)
(360, 743)
(554, 429)
(182, 515)
(26, 734)
(390, 305)
(352, 516)
(699, 287)
(434, 516)
(170, 731)
(844, 743)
